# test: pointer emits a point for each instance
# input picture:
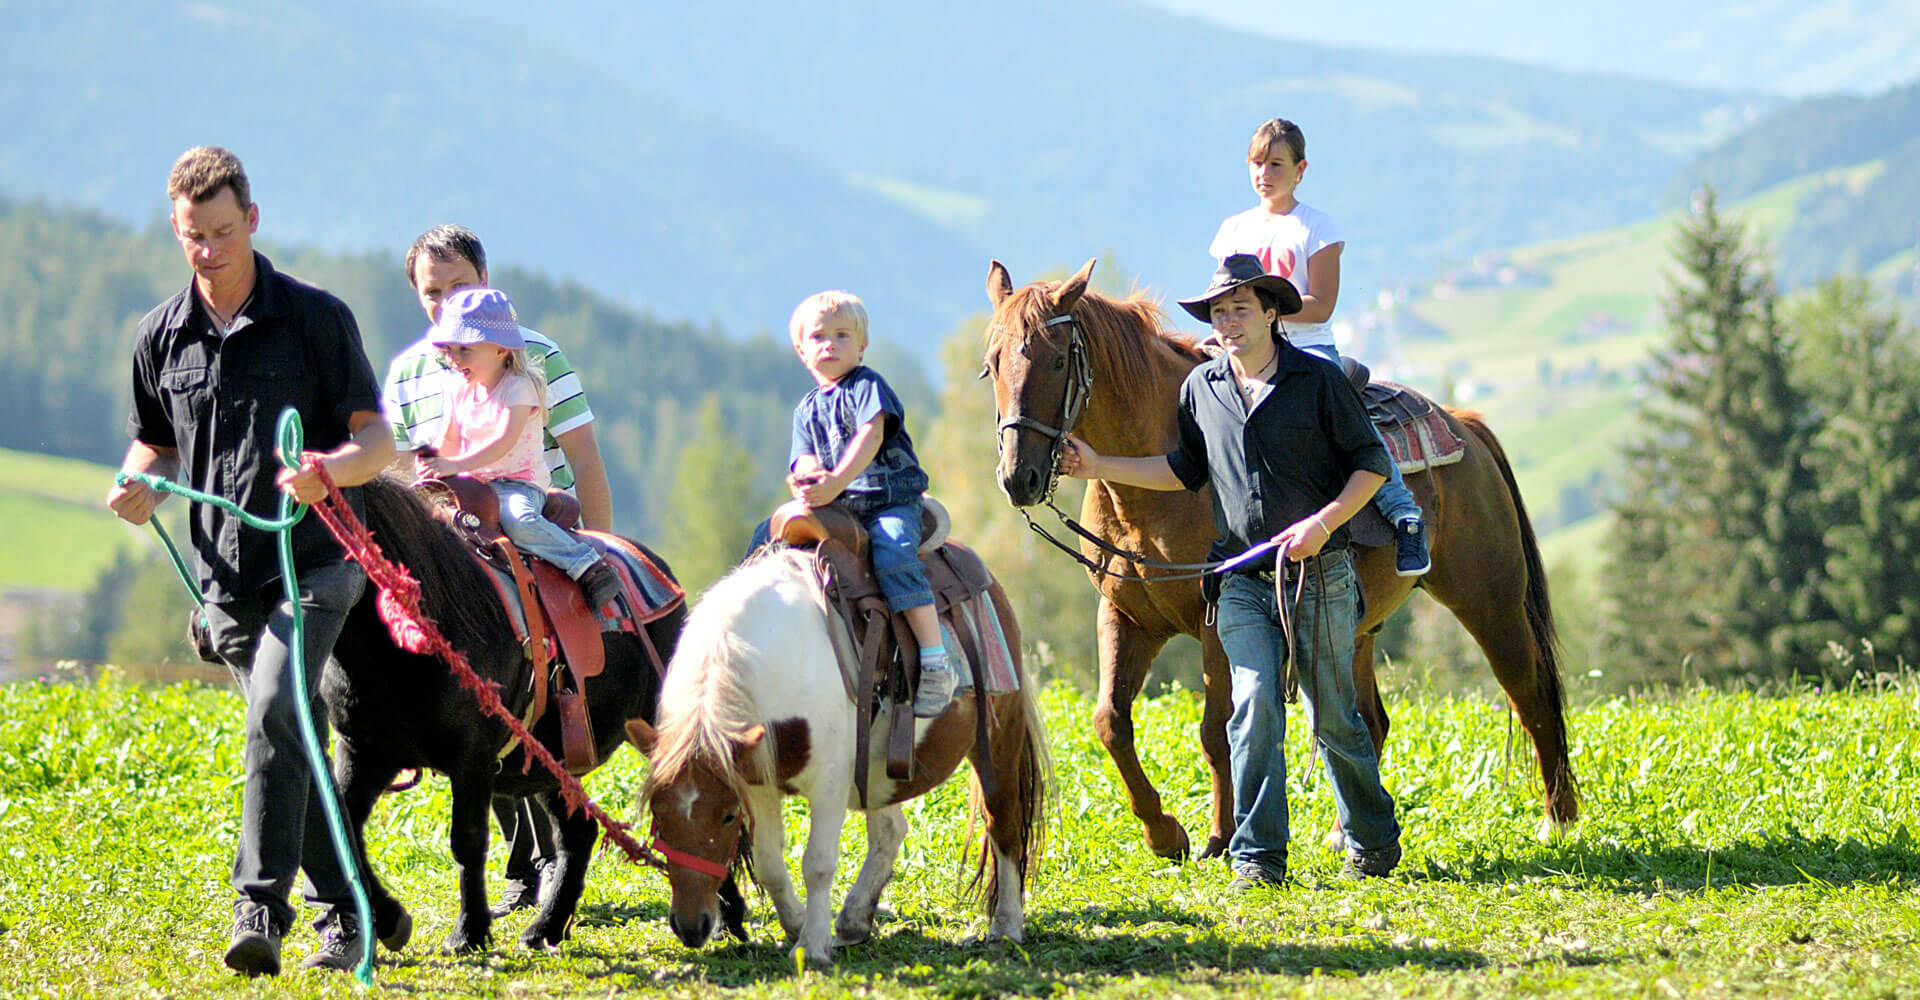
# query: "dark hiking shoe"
(255, 948)
(601, 583)
(1376, 862)
(1248, 877)
(341, 944)
(523, 891)
(1410, 548)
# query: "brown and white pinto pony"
(754, 709)
(1486, 562)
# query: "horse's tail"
(1563, 803)
(1026, 788)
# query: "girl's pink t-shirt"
(476, 406)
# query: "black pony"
(395, 710)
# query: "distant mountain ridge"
(719, 163)
(1865, 219)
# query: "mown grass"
(1732, 845)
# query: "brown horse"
(1044, 342)
(754, 709)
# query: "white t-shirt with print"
(1283, 243)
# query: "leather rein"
(1073, 403)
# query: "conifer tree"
(1863, 372)
(1717, 557)
(713, 503)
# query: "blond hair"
(822, 304)
(518, 364)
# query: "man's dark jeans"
(283, 828)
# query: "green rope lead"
(291, 441)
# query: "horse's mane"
(454, 589)
(1121, 334)
(704, 706)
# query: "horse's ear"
(749, 742)
(1075, 286)
(643, 736)
(999, 283)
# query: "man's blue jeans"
(1250, 631)
(282, 827)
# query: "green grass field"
(1732, 846)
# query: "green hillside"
(58, 533)
(1554, 359)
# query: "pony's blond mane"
(704, 707)
(1112, 329)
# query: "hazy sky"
(1794, 47)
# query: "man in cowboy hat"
(1285, 443)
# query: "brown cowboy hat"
(1243, 269)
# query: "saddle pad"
(1423, 443)
(656, 592)
(1000, 673)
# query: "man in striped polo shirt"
(442, 261)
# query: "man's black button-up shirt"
(217, 400)
(1284, 461)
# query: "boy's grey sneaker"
(341, 944)
(936, 692)
(255, 948)
(1410, 548)
(1376, 862)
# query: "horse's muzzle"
(1024, 485)
(696, 931)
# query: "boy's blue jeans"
(521, 504)
(1394, 500)
(895, 536)
(1256, 649)
(894, 533)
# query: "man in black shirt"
(213, 367)
(1284, 440)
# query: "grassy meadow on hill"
(57, 532)
(1730, 845)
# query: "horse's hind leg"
(560, 899)
(886, 829)
(467, 835)
(1498, 623)
(361, 784)
(1126, 654)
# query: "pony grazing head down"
(710, 742)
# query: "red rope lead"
(414, 631)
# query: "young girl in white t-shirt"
(493, 432)
(1302, 244)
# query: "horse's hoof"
(395, 931)
(850, 935)
(1216, 847)
(462, 942)
(1168, 839)
(1554, 833)
(819, 960)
